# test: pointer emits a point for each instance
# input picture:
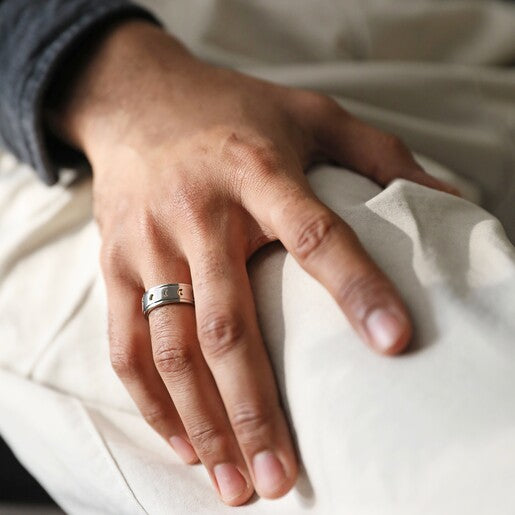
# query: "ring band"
(166, 294)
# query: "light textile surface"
(431, 431)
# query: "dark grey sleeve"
(35, 37)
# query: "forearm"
(35, 39)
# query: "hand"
(195, 168)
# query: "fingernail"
(269, 473)
(183, 449)
(230, 482)
(384, 328)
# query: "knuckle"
(380, 172)
(260, 156)
(250, 422)
(206, 439)
(153, 415)
(263, 162)
(252, 164)
(150, 232)
(319, 103)
(313, 234)
(220, 332)
(111, 256)
(184, 198)
(173, 361)
(125, 362)
(394, 144)
(170, 358)
(192, 203)
(148, 225)
(362, 293)
(397, 157)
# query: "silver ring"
(166, 294)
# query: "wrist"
(106, 87)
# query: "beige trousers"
(430, 432)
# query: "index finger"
(329, 250)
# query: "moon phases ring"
(166, 294)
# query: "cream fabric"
(429, 432)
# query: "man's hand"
(196, 167)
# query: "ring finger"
(131, 358)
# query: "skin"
(194, 168)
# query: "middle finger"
(235, 353)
